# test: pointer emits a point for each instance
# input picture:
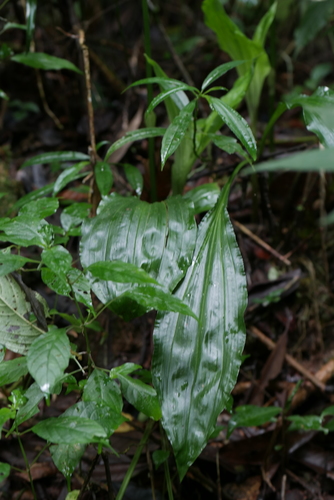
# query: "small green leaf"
(34, 395)
(48, 357)
(34, 195)
(74, 215)
(57, 282)
(121, 272)
(4, 471)
(250, 415)
(10, 262)
(11, 371)
(40, 60)
(66, 457)
(101, 389)
(218, 72)
(40, 208)
(236, 123)
(57, 156)
(167, 93)
(228, 144)
(70, 430)
(203, 197)
(6, 414)
(25, 231)
(142, 396)
(161, 80)
(135, 135)
(69, 175)
(103, 176)
(134, 178)
(176, 131)
(58, 259)
(306, 423)
(81, 287)
(125, 369)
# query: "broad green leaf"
(218, 72)
(17, 332)
(40, 60)
(40, 208)
(318, 110)
(195, 364)
(69, 175)
(48, 357)
(34, 395)
(239, 47)
(103, 176)
(4, 471)
(158, 238)
(149, 298)
(314, 20)
(308, 161)
(142, 396)
(13, 370)
(134, 178)
(10, 262)
(57, 258)
(96, 411)
(164, 95)
(25, 231)
(250, 415)
(306, 423)
(70, 430)
(236, 123)
(66, 457)
(56, 281)
(176, 131)
(135, 135)
(31, 6)
(74, 215)
(101, 389)
(121, 272)
(204, 197)
(57, 156)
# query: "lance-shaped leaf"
(135, 135)
(40, 60)
(195, 364)
(218, 72)
(56, 156)
(176, 131)
(104, 177)
(121, 272)
(158, 237)
(236, 123)
(17, 331)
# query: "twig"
(90, 472)
(90, 110)
(111, 493)
(262, 243)
(289, 359)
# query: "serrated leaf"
(10, 262)
(66, 457)
(69, 175)
(135, 135)
(121, 272)
(134, 178)
(218, 72)
(142, 396)
(40, 60)
(57, 156)
(195, 364)
(203, 197)
(17, 332)
(4, 471)
(70, 430)
(176, 131)
(40, 208)
(158, 238)
(104, 177)
(48, 357)
(236, 123)
(100, 388)
(13, 370)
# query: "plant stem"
(27, 466)
(147, 45)
(134, 461)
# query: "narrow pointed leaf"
(176, 131)
(68, 175)
(236, 123)
(195, 364)
(135, 135)
(57, 156)
(31, 6)
(164, 95)
(17, 332)
(121, 272)
(218, 72)
(48, 357)
(104, 177)
(40, 60)
(161, 80)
